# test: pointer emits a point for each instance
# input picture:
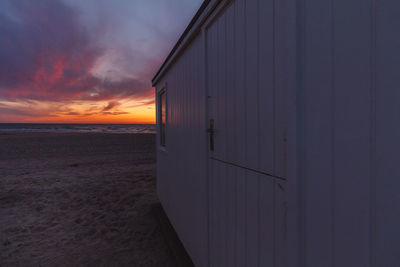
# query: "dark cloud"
(111, 105)
(149, 102)
(115, 113)
(47, 54)
(146, 102)
(23, 112)
(104, 89)
(72, 113)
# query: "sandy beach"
(79, 200)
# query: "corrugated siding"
(349, 110)
(181, 169)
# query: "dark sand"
(79, 200)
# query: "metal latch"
(211, 132)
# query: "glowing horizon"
(68, 61)
(83, 112)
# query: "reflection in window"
(162, 117)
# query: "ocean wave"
(76, 128)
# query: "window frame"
(162, 126)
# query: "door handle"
(211, 132)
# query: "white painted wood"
(231, 107)
(246, 91)
(266, 84)
(338, 123)
(385, 179)
(305, 99)
(251, 88)
(288, 52)
(352, 136)
(284, 52)
(280, 224)
(252, 218)
(318, 156)
(232, 48)
(239, 78)
(240, 245)
(188, 38)
(220, 90)
(230, 216)
(267, 231)
(181, 173)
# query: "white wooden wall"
(321, 109)
(181, 168)
(387, 133)
(349, 112)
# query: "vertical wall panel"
(231, 107)
(239, 78)
(210, 54)
(225, 181)
(284, 51)
(216, 223)
(212, 214)
(387, 133)
(231, 217)
(219, 97)
(222, 90)
(352, 96)
(266, 82)
(280, 223)
(339, 133)
(252, 132)
(211, 83)
(318, 135)
(252, 214)
(241, 205)
(219, 208)
(252, 92)
(217, 94)
(266, 211)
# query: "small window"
(162, 116)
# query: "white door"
(246, 182)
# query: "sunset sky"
(85, 61)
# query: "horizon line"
(72, 123)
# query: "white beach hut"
(300, 165)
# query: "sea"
(76, 128)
